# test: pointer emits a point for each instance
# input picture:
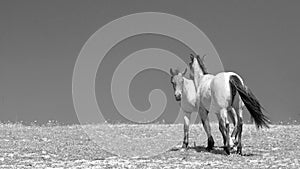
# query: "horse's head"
(192, 64)
(177, 82)
(201, 63)
(197, 65)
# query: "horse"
(185, 93)
(225, 94)
(202, 79)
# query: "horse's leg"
(205, 122)
(234, 118)
(225, 123)
(240, 130)
(221, 128)
(187, 116)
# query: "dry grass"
(70, 147)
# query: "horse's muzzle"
(178, 97)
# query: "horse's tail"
(250, 101)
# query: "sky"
(41, 40)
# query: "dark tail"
(250, 101)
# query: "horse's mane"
(201, 64)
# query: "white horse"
(225, 95)
(185, 92)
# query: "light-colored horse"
(202, 80)
(185, 92)
(225, 95)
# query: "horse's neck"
(189, 90)
(188, 84)
(198, 75)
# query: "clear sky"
(40, 41)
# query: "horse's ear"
(191, 56)
(203, 57)
(171, 72)
(184, 71)
(198, 57)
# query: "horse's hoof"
(185, 144)
(227, 151)
(183, 149)
(235, 143)
(209, 149)
(231, 142)
(210, 143)
(239, 151)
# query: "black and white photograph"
(139, 84)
